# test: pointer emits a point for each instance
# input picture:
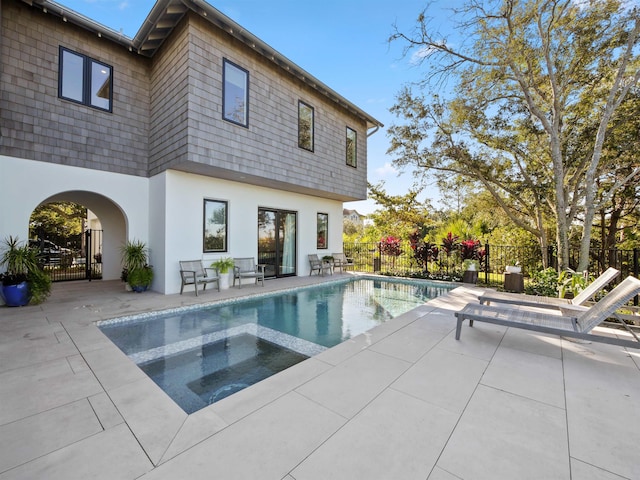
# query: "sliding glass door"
(277, 241)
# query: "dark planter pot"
(470, 276)
(139, 288)
(16, 295)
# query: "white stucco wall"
(165, 212)
(183, 224)
(120, 201)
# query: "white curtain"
(289, 244)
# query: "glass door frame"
(275, 269)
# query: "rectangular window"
(305, 126)
(215, 225)
(323, 230)
(84, 80)
(235, 93)
(351, 147)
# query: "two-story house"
(195, 137)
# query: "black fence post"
(635, 272)
(87, 253)
(487, 258)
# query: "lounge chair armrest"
(261, 267)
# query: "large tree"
(528, 76)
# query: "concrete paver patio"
(403, 401)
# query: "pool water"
(202, 354)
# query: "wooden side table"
(514, 282)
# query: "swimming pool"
(201, 354)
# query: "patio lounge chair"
(574, 321)
(319, 265)
(551, 302)
(193, 273)
(341, 261)
(247, 268)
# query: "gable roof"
(166, 14)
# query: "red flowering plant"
(423, 252)
(469, 249)
(450, 243)
(390, 246)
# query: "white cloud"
(387, 170)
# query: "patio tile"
(443, 378)
(112, 367)
(505, 436)
(440, 474)
(108, 455)
(409, 343)
(87, 337)
(480, 341)
(361, 449)
(584, 471)
(438, 321)
(348, 387)
(533, 376)
(267, 444)
(105, 410)
(21, 353)
(197, 427)
(603, 388)
(40, 387)
(37, 435)
(152, 416)
(533, 342)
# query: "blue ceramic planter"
(16, 295)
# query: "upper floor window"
(235, 94)
(85, 80)
(305, 126)
(352, 138)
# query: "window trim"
(312, 126)
(355, 148)
(204, 225)
(87, 63)
(225, 62)
(324, 218)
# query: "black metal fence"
(369, 257)
(79, 259)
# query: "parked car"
(50, 253)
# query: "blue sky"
(342, 43)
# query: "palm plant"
(135, 266)
(21, 262)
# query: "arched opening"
(78, 223)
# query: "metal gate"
(81, 261)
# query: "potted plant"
(136, 270)
(23, 281)
(223, 266)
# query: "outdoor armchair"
(247, 268)
(317, 265)
(193, 273)
(341, 261)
